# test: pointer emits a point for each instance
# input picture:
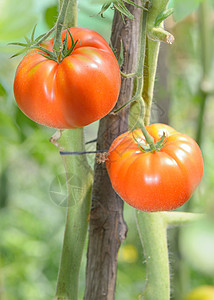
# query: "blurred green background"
(32, 224)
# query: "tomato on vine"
(73, 90)
(159, 179)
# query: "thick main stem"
(152, 231)
(107, 226)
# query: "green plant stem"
(151, 59)
(138, 80)
(57, 46)
(71, 14)
(152, 229)
(175, 218)
(154, 36)
(140, 74)
(152, 226)
(205, 37)
(152, 232)
(46, 35)
(79, 183)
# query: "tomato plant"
(72, 92)
(158, 180)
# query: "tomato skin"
(81, 89)
(155, 181)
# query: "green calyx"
(151, 146)
(34, 43)
(63, 53)
(31, 42)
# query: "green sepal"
(27, 40)
(18, 53)
(33, 32)
(146, 148)
(163, 15)
(45, 50)
(18, 44)
(48, 57)
(30, 42)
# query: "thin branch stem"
(175, 218)
(150, 66)
(46, 35)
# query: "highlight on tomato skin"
(155, 181)
(74, 92)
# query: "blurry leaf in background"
(87, 18)
(25, 125)
(14, 21)
(197, 245)
(183, 8)
(3, 91)
(8, 130)
(51, 15)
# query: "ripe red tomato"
(155, 181)
(79, 90)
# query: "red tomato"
(155, 181)
(79, 90)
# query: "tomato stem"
(140, 72)
(76, 226)
(57, 46)
(152, 231)
(79, 182)
(149, 138)
(152, 227)
(155, 34)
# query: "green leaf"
(104, 8)
(183, 9)
(17, 17)
(163, 15)
(8, 129)
(121, 56)
(120, 6)
(3, 91)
